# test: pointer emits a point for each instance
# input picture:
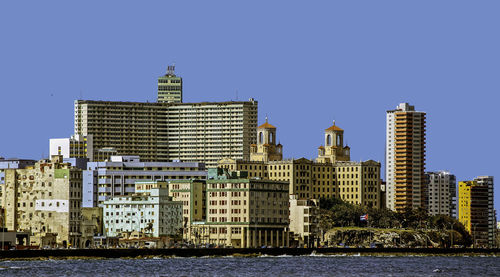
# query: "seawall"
(201, 252)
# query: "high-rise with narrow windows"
(162, 132)
(476, 213)
(170, 87)
(405, 158)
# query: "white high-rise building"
(441, 193)
(405, 158)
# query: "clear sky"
(306, 64)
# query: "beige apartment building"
(354, 182)
(45, 200)
(190, 132)
(77, 146)
(243, 212)
(405, 158)
(304, 221)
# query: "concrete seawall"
(135, 253)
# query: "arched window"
(271, 138)
(261, 138)
(328, 140)
(338, 141)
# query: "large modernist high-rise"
(170, 87)
(405, 158)
(162, 132)
(476, 211)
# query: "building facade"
(405, 158)
(304, 221)
(45, 200)
(11, 164)
(266, 148)
(170, 87)
(150, 212)
(476, 210)
(441, 195)
(77, 146)
(334, 149)
(242, 212)
(329, 176)
(162, 132)
(104, 180)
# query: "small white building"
(77, 146)
(150, 211)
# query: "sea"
(314, 265)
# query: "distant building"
(405, 158)
(163, 132)
(11, 164)
(243, 212)
(304, 220)
(170, 87)
(150, 212)
(334, 149)
(44, 199)
(332, 175)
(441, 194)
(476, 211)
(91, 225)
(77, 146)
(117, 177)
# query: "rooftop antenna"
(170, 70)
(81, 95)
(236, 95)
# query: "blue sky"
(306, 65)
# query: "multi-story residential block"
(304, 220)
(151, 212)
(77, 146)
(476, 210)
(117, 177)
(162, 132)
(192, 194)
(44, 199)
(11, 164)
(441, 194)
(355, 182)
(170, 87)
(405, 158)
(243, 212)
(334, 149)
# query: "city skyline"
(367, 66)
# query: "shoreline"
(72, 254)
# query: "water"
(261, 266)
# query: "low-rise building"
(91, 225)
(304, 221)
(150, 211)
(104, 180)
(45, 200)
(244, 212)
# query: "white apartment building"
(405, 158)
(441, 193)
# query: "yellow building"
(475, 204)
(334, 149)
(354, 182)
(266, 148)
